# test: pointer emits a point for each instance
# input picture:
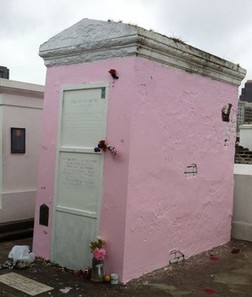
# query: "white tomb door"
(79, 174)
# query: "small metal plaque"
(17, 140)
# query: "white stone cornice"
(91, 40)
(21, 88)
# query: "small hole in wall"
(225, 112)
(191, 170)
(44, 215)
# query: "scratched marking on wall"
(191, 170)
(177, 256)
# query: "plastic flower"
(98, 243)
(113, 73)
(99, 254)
(96, 247)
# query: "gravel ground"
(225, 271)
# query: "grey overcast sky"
(220, 27)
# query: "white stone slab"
(243, 169)
(24, 284)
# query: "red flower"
(113, 73)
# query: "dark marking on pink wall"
(191, 170)
(225, 113)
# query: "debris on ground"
(20, 257)
(7, 265)
(65, 290)
(213, 258)
(209, 291)
(21, 253)
(235, 251)
(198, 276)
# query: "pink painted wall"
(176, 121)
(160, 120)
(115, 174)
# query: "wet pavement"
(225, 271)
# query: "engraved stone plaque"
(24, 284)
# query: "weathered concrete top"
(21, 88)
(92, 40)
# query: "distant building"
(4, 72)
(240, 113)
(244, 112)
(246, 94)
(248, 113)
